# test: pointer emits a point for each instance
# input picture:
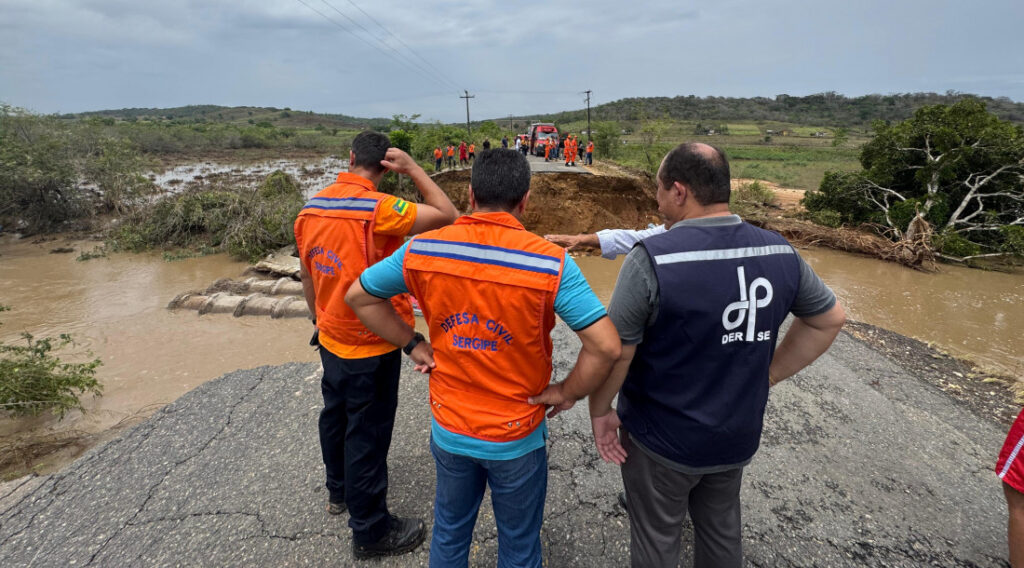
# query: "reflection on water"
(970, 313)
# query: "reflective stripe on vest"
(487, 289)
(334, 234)
(342, 203)
(697, 387)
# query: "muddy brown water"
(115, 308)
(969, 313)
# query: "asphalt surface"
(861, 465)
(538, 165)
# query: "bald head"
(700, 167)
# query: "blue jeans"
(518, 489)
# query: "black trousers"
(360, 399)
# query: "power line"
(399, 40)
(350, 32)
(396, 52)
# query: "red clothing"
(462, 151)
(1010, 466)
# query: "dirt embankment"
(573, 203)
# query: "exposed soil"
(573, 203)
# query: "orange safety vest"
(437, 153)
(335, 239)
(487, 288)
(451, 151)
(471, 148)
(590, 146)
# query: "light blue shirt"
(575, 303)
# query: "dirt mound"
(573, 203)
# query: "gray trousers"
(659, 498)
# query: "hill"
(823, 109)
(285, 117)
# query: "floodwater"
(972, 314)
(312, 175)
(115, 308)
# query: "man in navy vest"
(698, 308)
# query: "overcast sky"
(516, 57)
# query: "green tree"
(957, 167)
(489, 130)
(606, 139)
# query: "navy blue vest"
(698, 385)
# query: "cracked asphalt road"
(861, 465)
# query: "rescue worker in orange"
(589, 161)
(489, 291)
(451, 156)
(547, 149)
(463, 156)
(342, 230)
(437, 158)
(472, 152)
(568, 150)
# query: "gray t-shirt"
(634, 304)
(634, 307)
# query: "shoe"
(336, 508)
(622, 501)
(405, 535)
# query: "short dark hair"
(705, 173)
(500, 178)
(369, 148)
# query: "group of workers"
(687, 344)
(467, 153)
(567, 148)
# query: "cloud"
(524, 57)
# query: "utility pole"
(467, 96)
(589, 133)
(511, 132)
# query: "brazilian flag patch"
(401, 206)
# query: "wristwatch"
(416, 339)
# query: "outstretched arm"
(436, 210)
(612, 242)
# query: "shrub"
(755, 193)
(826, 217)
(32, 380)
(953, 244)
(247, 223)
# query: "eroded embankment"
(572, 203)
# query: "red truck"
(539, 132)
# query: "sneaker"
(405, 535)
(336, 508)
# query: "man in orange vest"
(589, 161)
(339, 233)
(437, 158)
(489, 290)
(547, 149)
(472, 152)
(451, 156)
